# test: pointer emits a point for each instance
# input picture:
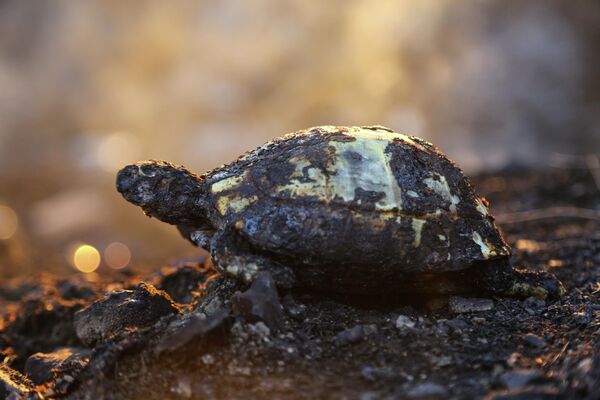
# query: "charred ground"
(322, 346)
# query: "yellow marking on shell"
(317, 185)
(417, 225)
(226, 184)
(377, 133)
(234, 203)
(485, 248)
(372, 172)
(441, 187)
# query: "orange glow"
(115, 150)
(529, 245)
(554, 263)
(86, 258)
(9, 222)
(117, 255)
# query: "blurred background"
(87, 86)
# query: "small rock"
(40, 367)
(349, 336)
(374, 374)
(368, 373)
(585, 366)
(583, 317)
(514, 359)
(370, 329)
(404, 322)
(183, 387)
(519, 377)
(427, 390)
(260, 329)
(122, 310)
(532, 340)
(457, 324)
(195, 328)
(13, 385)
(207, 359)
(260, 303)
(463, 305)
(293, 309)
(529, 311)
(534, 302)
(443, 361)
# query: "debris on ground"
(260, 302)
(464, 305)
(121, 311)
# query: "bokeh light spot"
(86, 258)
(9, 222)
(117, 255)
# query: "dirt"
(340, 347)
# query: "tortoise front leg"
(232, 256)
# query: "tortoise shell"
(334, 202)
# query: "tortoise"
(350, 210)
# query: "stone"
(534, 302)
(464, 305)
(260, 303)
(457, 324)
(41, 367)
(349, 336)
(292, 308)
(196, 327)
(120, 311)
(533, 340)
(261, 329)
(426, 390)
(519, 377)
(404, 322)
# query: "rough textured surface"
(120, 311)
(14, 385)
(296, 206)
(42, 367)
(462, 305)
(260, 303)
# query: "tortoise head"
(168, 192)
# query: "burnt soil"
(334, 347)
